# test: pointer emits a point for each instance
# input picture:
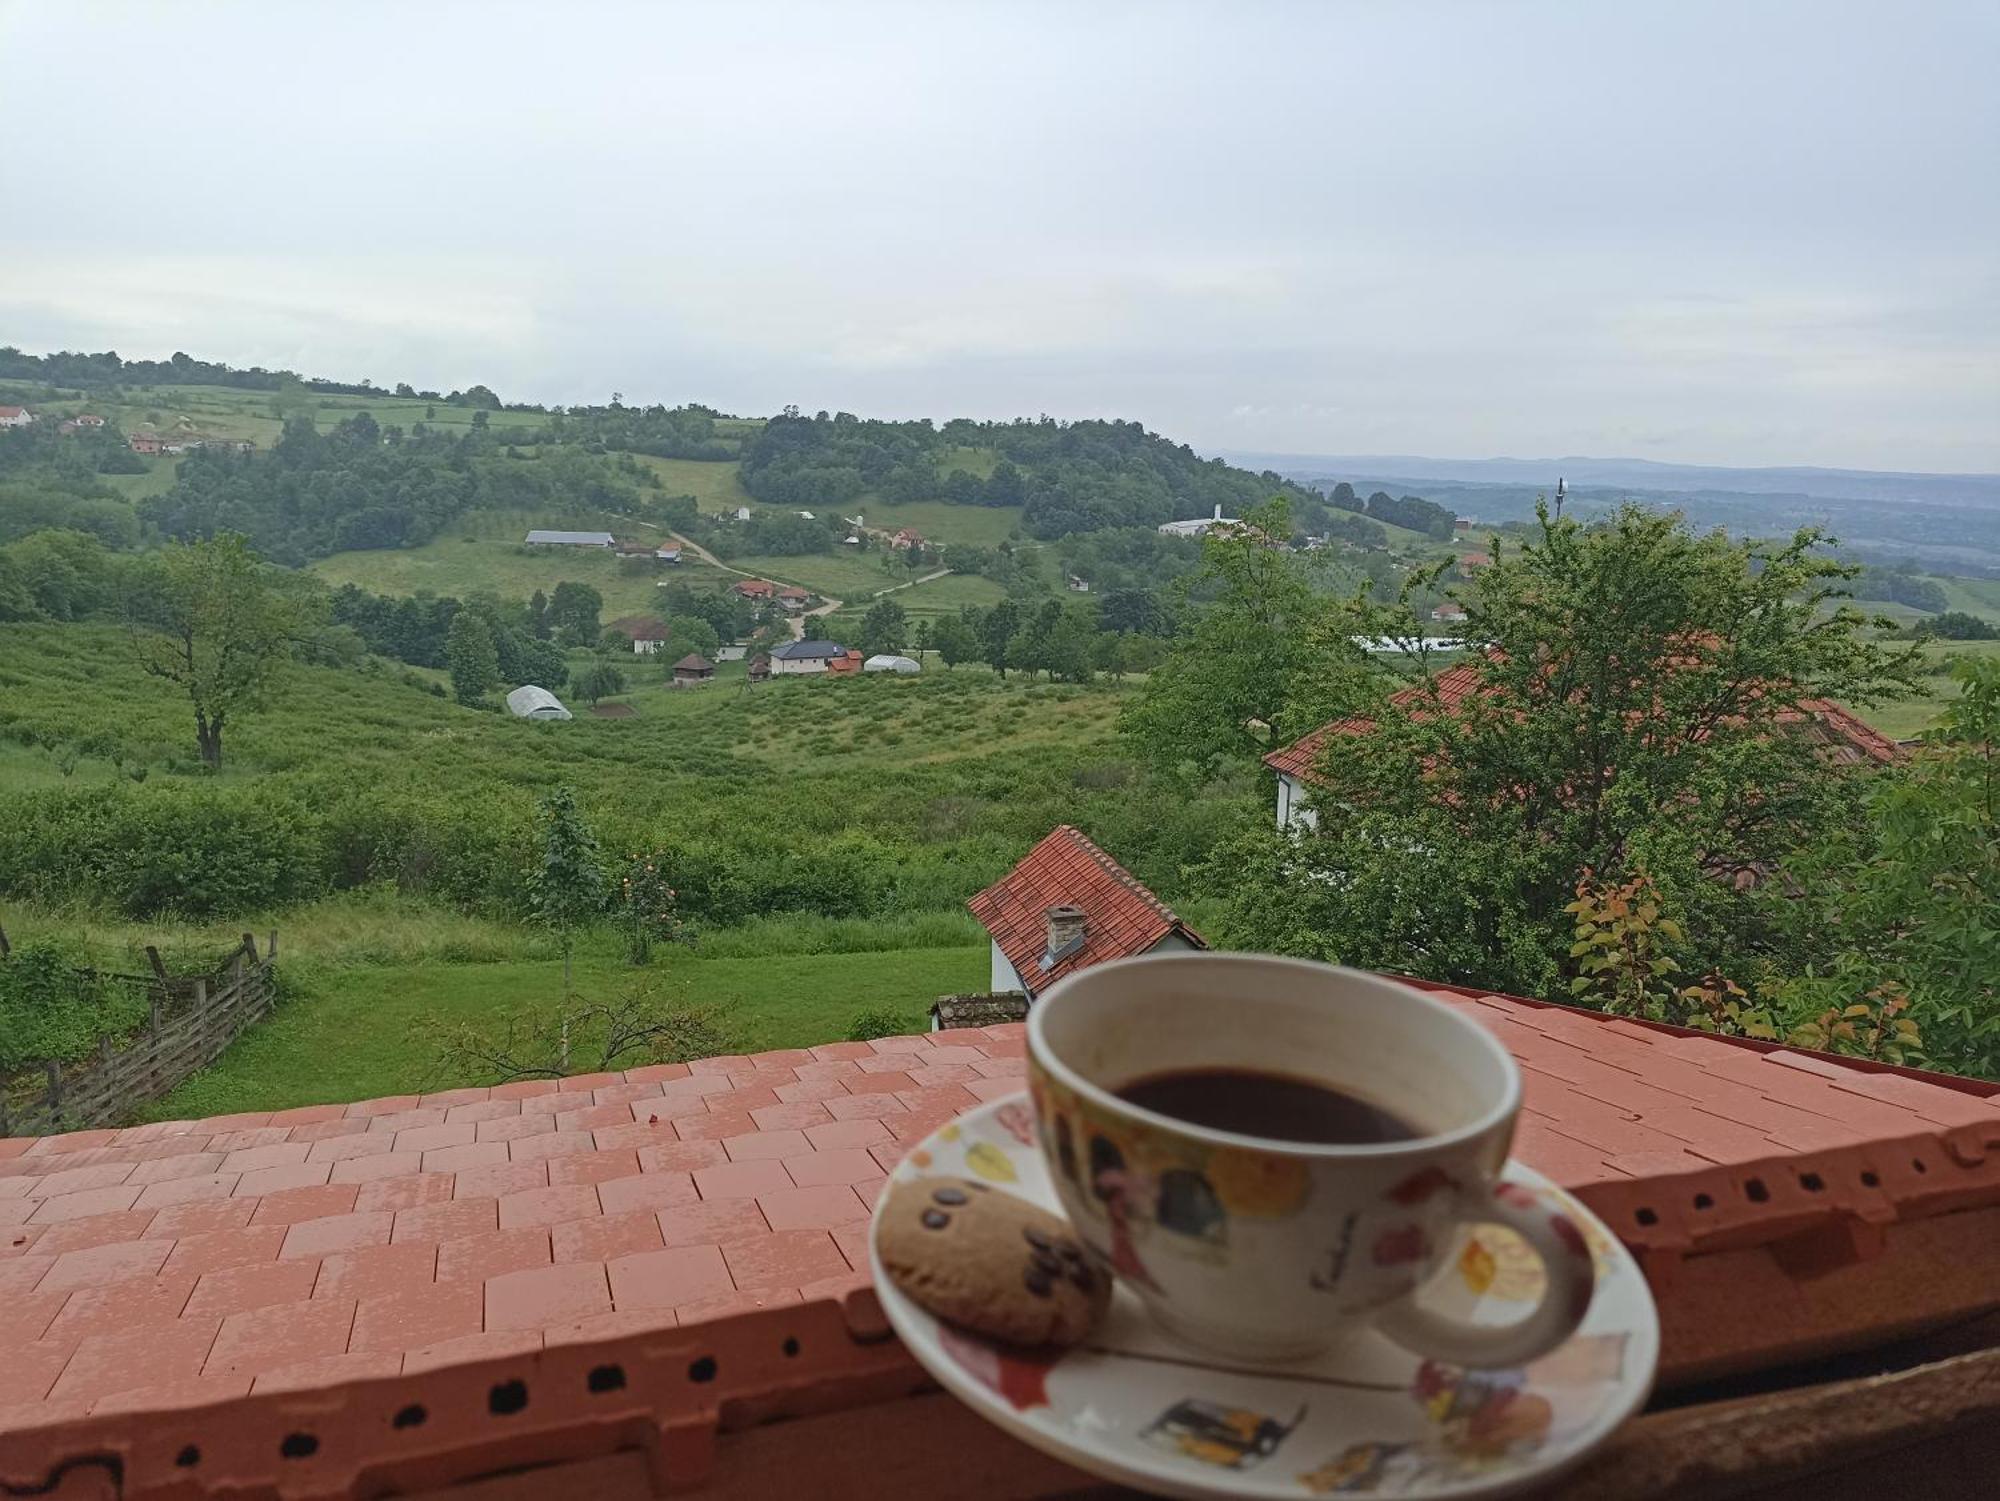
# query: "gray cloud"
(1704, 232)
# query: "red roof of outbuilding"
(1843, 735)
(1122, 918)
(756, 587)
(444, 1249)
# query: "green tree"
(955, 642)
(883, 628)
(1960, 625)
(1643, 709)
(538, 616)
(923, 636)
(996, 633)
(212, 620)
(572, 613)
(1915, 891)
(1260, 651)
(599, 680)
(567, 887)
(471, 656)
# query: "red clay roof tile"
(1121, 917)
(1685, 1142)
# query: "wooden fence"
(191, 1020)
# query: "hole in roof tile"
(607, 1378)
(299, 1446)
(1645, 1217)
(702, 1369)
(1703, 1201)
(1918, 1164)
(1812, 1183)
(1869, 1180)
(1756, 1192)
(791, 1348)
(507, 1398)
(188, 1458)
(413, 1416)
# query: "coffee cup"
(1265, 1248)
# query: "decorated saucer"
(1367, 1418)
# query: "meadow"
(716, 486)
(482, 550)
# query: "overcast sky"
(1726, 233)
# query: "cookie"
(990, 1262)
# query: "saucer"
(1366, 1418)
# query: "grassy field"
(1974, 596)
(844, 575)
(977, 462)
(715, 487)
(230, 413)
(939, 521)
(367, 976)
(482, 550)
(931, 601)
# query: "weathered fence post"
(159, 965)
(53, 1072)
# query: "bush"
(872, 1024)
(54, 1007)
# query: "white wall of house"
(645, 648)
(1004, 975)
(1294, 807)
(788, 664)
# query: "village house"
(693, 670)
(645, 632)
(541, 537)
(1078, 585)
(88, 419)
(847, 664)
(796, 657)
(741, 513)
(1066, 906)
(15, 416)
(1468, 561)
(668, 552)
(1835, 730)
(905, 539)
(793, 598)
(757, 589)
(1201, 526)
(1449, 610)
(759, 670)
(144, 443)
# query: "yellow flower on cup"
(1250, 1183)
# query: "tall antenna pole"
(1561, 491)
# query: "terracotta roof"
(1838, 730)
(792, 591)
(1122, 918)
(758, 588)
(694, 661)
(621, 1249)
(639, 627)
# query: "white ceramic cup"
(1271, 1250)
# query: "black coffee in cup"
(1278, 1107)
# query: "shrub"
(872, 1024)
(53, 1006)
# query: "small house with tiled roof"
(791, 597)
(693, 670)
(1840, 735)
(1069, 905)
(15, 416)
(645, 632)
(754, 588)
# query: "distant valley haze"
(1724, 234)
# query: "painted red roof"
(436, 1247)
(1122, 918)
(1836, 729)
(755, 588)
(792, 591)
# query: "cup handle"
(1571, 1278)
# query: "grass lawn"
(157, 480)
(233, 413)
(494, 559)
(358, 1033)
(845, 575)
(977, 462)
(940, 521)
(1906, 717)
(714, 486)
(1974, 596)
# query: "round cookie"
(990, 1262)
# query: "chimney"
(1066, 933)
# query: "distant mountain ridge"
(1979, 490)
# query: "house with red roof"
(754, 588)
(906, 538)
(1066, 906)
(793, 598)
(1839, 734)
(15, 416)
(645, 632)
